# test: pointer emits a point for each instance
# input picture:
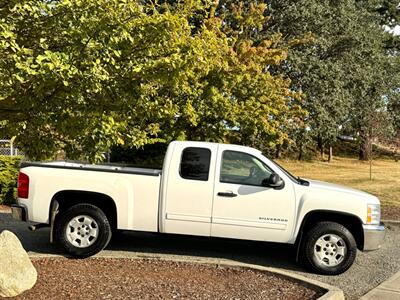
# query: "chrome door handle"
(227, 194)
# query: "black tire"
(101, 222)
(309, 247)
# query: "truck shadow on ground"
(134, 244)
(259, 253)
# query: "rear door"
(243, 208)
(189, 189)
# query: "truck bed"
(133, 191)
(112, 168)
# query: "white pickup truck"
(204, 189)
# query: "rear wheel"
(329, 248)
(83, 230)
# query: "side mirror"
(274, 181)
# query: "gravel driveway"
(368, 271)
(122, 278)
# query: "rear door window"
(195, 163)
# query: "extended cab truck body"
(203, 189)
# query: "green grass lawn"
(385, 183)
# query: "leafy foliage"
(84, 76)
(389, 11)
(9, 167)
(150, 156)
(345, 71)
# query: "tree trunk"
(330, 154)
(278, 151)
(320, 143)
(300, 157)
(365, 145)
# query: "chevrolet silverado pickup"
(203, 189)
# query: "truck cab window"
(242, 168)
(195, 163)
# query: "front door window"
(242, 168)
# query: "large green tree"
(316, 64)
(344, 71)
(83, 76)
(389, 12)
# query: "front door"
(243, 208)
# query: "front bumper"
(373, 236)
(19, 213)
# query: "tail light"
(23, 185)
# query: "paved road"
(369, 270)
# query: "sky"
(396, 30)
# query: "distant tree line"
(87, 76)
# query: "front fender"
(329, 201)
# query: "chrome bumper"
(19, 213)
(373, 236)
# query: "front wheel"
(83, 230)
(329, 248)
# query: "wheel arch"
(352, 222)
(65, 199)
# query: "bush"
(149, 156)
(9, 167)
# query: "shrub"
(9, 167)
(149, 156)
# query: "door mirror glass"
(274, 181)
